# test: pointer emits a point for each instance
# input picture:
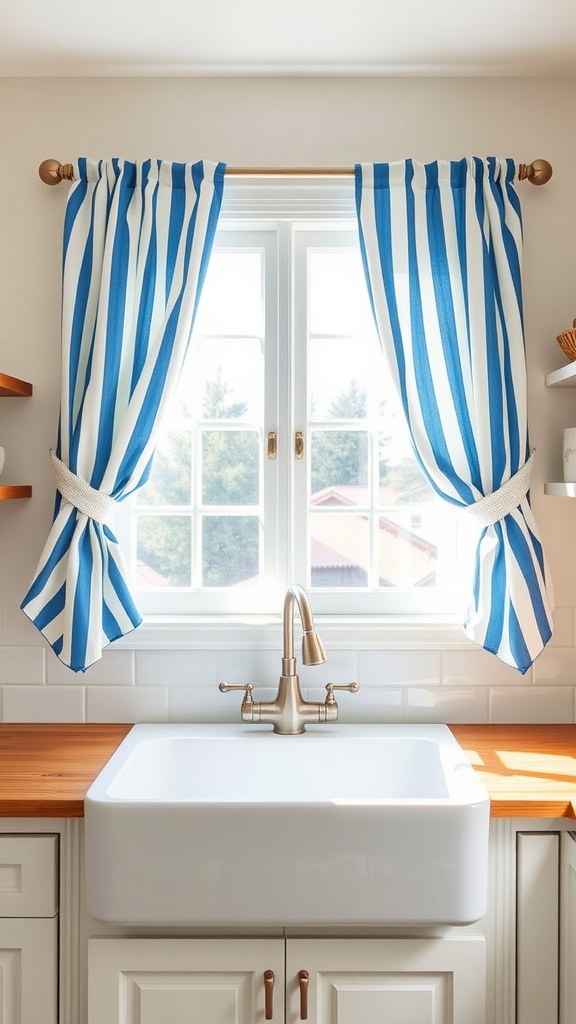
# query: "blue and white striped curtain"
(441, 245)
(137, 240)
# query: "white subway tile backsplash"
(479, 668)
(532, 704)
(398, 668)
(463, 684)
(341, 667)
(261, 668)
(446, 704)
(43, 704)
(205, 704)
(556, 665)
(16, 628)
(22, 666)
(372, 704)
(126, 704)
(176, 668)
(115, 668)
(563, 628)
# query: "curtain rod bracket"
(52, 172)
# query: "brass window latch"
(272, 445)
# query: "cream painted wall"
(274, 122)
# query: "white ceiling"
(287, 37)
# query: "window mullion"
(277, 517)
(300, 468)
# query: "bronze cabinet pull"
(269, 995)
(303, 982)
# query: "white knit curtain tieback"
(78, 492)
(495, 506)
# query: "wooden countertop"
(528, 770)
(45, 770)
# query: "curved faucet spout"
(313, 652)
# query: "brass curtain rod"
(52, 172)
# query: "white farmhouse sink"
(232, 825)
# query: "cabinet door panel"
(537, 926)
(180, 998)
(405, 998)
(10, 964)
(404, 981)
(28, 876)
(28, 971)
(183, 981)
(568, 929)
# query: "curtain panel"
(137, 240)
(442, 250)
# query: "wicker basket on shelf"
(567, 342)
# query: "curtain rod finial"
(538, 172)
(52, 172)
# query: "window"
(285, 456)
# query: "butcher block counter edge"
(45, 770)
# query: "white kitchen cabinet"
(568, 928)
(185, 981)
(537, 927)
(28, 929)
(407, 981)
(327, 981)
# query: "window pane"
(338, 294)
(238, 277)
(163, 551)
(230, 467)
(338, 371)
(339, 551)
(401, 479)
(339, 467)
(230, 550)
(407, 557)
(223, 379)
(170, 480)
(413, 524)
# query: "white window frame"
(319, 202)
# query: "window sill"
(246, 632)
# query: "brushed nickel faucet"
(289, 712)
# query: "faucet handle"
(330, 687)
(247, 687)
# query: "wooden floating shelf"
(9, 491)
(13, 387)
